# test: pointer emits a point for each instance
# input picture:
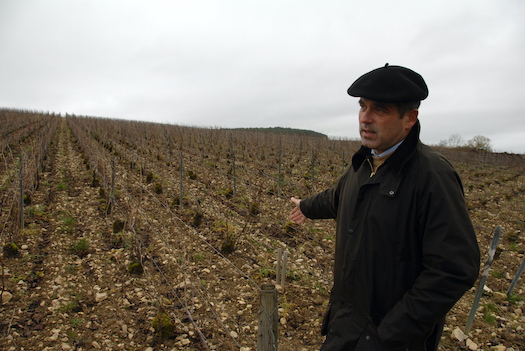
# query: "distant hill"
(281, 130)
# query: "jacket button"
(391, 192)
(350, 231)
(367, 337)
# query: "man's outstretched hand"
(297, 215)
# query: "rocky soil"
(164, 282)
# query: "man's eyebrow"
(381, 105)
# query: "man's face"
(380, 125)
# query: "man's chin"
(367, 143)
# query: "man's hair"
(404, 107)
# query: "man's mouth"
(367, 132)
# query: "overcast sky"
(287, 63)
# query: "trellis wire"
(146, 191)
(343, 167)
(141, 245)
(167, 281)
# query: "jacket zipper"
(371, 167)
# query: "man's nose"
(365, 117)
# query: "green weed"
(80, 248)
(163, 325)
(11, 250)
(135, 268)
(68, 223)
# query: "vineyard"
(131, 235)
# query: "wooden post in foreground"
(268, 319)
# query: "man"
(406, 250)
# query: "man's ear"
(411, 118)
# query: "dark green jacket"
(406, 250)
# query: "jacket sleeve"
(450, 260)
(322, 205)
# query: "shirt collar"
(387, 152)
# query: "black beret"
(390, 84)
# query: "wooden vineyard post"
(132, 165)
(170, 151)
(278, 268)
(181, 175)
(283, 273)
(343, 163)
(492, 251)
(234, 172)
(516, 278)
(279, 167)
(40, 158)
(21, 182)
(280, 273)
(313, 167)
(268, 319)
(112, 199)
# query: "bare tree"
(455, 140)
(480, 142)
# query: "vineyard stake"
(516, 278)
(343, 163)
(278, 270)
(268, 318)
(313, 167)
(234, 174)
(181, 172)
(283, 274)
(40, 157)
(490, 258)
(279, 167)
(300, 149)
(112, 200)
(170, 151)
(21, 203)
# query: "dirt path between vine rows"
(69, 291)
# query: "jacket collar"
(399, 157)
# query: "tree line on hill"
(479, 142)
(282, 130)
